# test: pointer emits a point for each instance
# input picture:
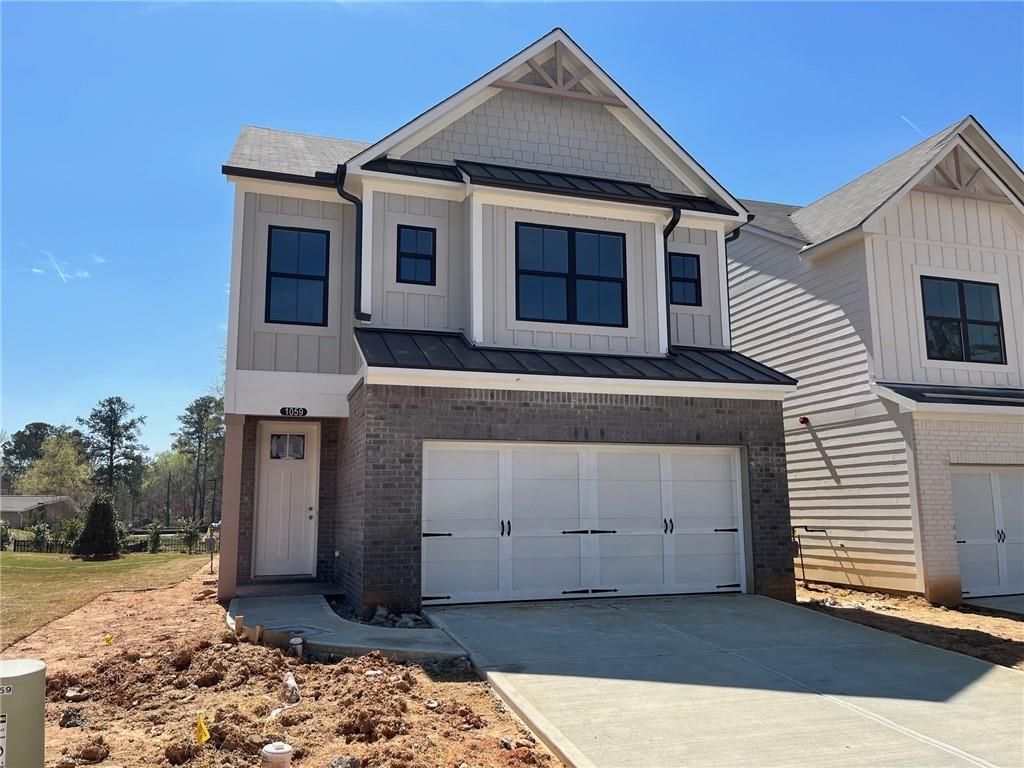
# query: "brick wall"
(938, 445)
(348, 530)
(328, 496)
(389, 423)
(538, 131)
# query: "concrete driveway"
(739, 680)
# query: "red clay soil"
(172, 658)
(989, 635)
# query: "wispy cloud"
(906, 120)
(64, 270)
(39, 271)
(96, 259)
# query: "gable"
(958, 174)
(536, 131)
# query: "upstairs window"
(417, 255)
(962, 321)
(573, 276)
(297, 276)
(684, 276)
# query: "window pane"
(531, 248)
(943, 338)
(598, 302)
(407, 268)
(278, 446)
(423, 271)
(981, 302)
(556, 250)
(312, 253)
(684, 293)
(683, 266)
(611, 256)
(283, 299)
(588, 254)
(296, 446)
(284, 250)
(984, 343)
(542, 298)
(309, 297)
(941, 298)
(425, 242)
(407, 240)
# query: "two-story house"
(488, 358)
(898, 302)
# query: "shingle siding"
(388, 425)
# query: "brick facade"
(938, 445)
(381, 510)
(328, 497)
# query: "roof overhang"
(924, 401)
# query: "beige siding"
(537, 131)
(404, 305)
(849, 471)
(274, 347)
(698, 326)
(643, 300)
(948, 236)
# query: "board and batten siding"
(502, 329)
(264, 346)
(439, 307)
(698, 326)
(849, 471)
(945, 236)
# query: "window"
(297, 276)
(417, 255)
(684, 276)
(962, 321)
(572, 276)
(287, 446)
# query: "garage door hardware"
(590, 530)
(725, 586)
(1002, 536)
(428, 535)
(961, 541)
(437, 597)
(670, 524)
(586, 591)
(727, 530)
(506, 527)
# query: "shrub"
(69, 531)
(124, 534)
(189, 533)
(99, 537)
(154, 531)
(40, 536)
(5, 534)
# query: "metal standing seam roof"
(925, 393)
(414, 168)
(432, 350)
(574, 185)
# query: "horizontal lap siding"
(848, 473)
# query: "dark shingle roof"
(292, 154)
(775, 217)
(454, 352)
(26, 503)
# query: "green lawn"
(37, 588)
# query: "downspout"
(339, 184)
(672, 223)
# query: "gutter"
(666, 233)
(339, 185)
(734, 235)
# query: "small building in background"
(23, 511)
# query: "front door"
(287, 482)
(988, 509)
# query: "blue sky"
(116, 118)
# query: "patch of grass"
(37, 588)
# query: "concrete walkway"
(738, 681)
(327, 633)
(1004, 603)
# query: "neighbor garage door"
(988, 510)
(528, 521)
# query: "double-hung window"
(417, 255)
(684, 277)
(962, 320)
(566, 275)
(297, 276)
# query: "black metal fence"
(175, 543)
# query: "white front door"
(287, 484)
(988, 508)
(521, 521)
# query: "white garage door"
(988, 510)
(527, 521)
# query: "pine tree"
(99, 538)
(113, 441)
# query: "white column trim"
(366, 257)
(234, 299)
(476, 270)
(663, 303)
(723, 288)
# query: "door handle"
(665, 521)
(502, 527)
(509, 527)
(671, 525)
(310, 517)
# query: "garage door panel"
(460, 566)
(710, 559)
(460, 499)
(462, 464)
(544, 505)
(979, 566)
(988, 512)
(545, 562)
(711, 501)
(688, 465)
(615, 465)
(629, 505)
(634, 561)
(540, 464)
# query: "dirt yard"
(171, 658)
(974, 631)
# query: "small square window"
(962, 321)
(417, 255)
(287, 446)
(684, 279)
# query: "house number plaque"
(291, 410)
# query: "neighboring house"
(23, 511)
(898, 303)
(488, 358)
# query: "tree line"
(103, 453)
